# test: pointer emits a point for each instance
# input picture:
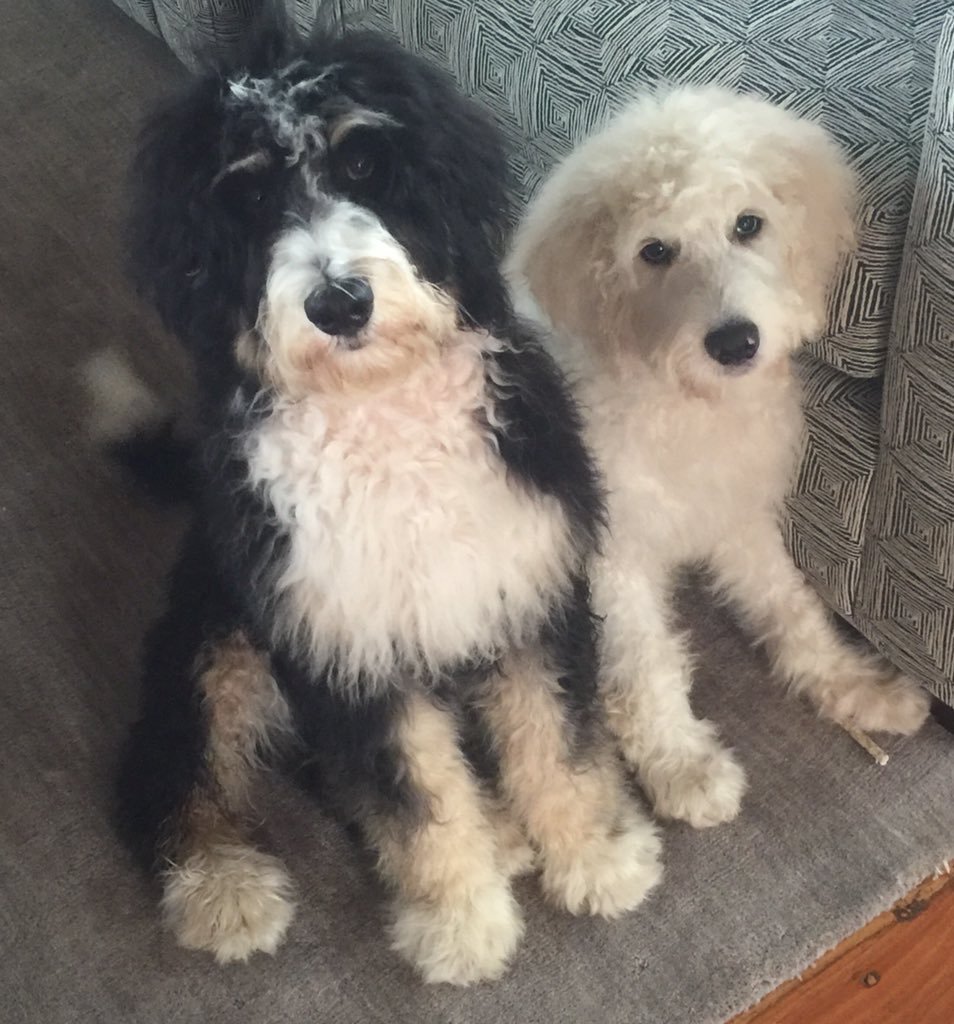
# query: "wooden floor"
(899, 969)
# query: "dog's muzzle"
(341, 307)
(734, 343)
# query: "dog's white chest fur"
(410, 547)
(687, 474)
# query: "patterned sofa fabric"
(906, 602)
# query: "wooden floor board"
(899, 969)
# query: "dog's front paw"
(230, 900)
(879, 702)
(609, 874)
(460, 942)
(703, 787)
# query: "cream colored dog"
(682, 255)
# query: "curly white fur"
(699, 457)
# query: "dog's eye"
(657, 253)
(747, 226)
(359, 161)
(359, 166)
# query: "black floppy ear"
(475, 184)
(186, 258)
(169, 230)
(467, 172)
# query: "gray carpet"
(825, 842)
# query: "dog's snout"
(343, 306)
(733, 343)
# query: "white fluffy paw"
(230, 900)
(881, 702)
(460, 942)
(607, 875)
(703, 787)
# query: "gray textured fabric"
(826, 839)
(907, 599)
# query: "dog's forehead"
(300, 106)
(286, 104)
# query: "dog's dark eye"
(657, 253)
(747, 226)
(358, 166)
(360, 160)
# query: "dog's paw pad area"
(460, 943)
(231, 900)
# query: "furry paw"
(610, 874)
(885, 702)
(703, 788)
(230, 900)
(460, 943)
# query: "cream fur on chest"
(410, 547)
(685, 474)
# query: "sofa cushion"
(907, 594)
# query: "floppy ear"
(176, 248)
(563, 251)
(818, 190)
(473, 179)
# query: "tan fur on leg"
(455, 917)
(246, 714)
(220, 893)
(598, 853)
(515, 854)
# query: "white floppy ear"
(561, 250)
(818, 190)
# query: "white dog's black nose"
(342, 306)
(733, 343)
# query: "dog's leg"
(220, 893)
(455, 917)
(597, 851)
(684, 769)
(849, 685)
(184, 786)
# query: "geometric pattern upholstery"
(906, 601)
(870, 516)
(828, 507)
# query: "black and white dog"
(395, 514)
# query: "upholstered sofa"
(872, 515)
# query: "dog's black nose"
(733, 343)
(342, 306)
